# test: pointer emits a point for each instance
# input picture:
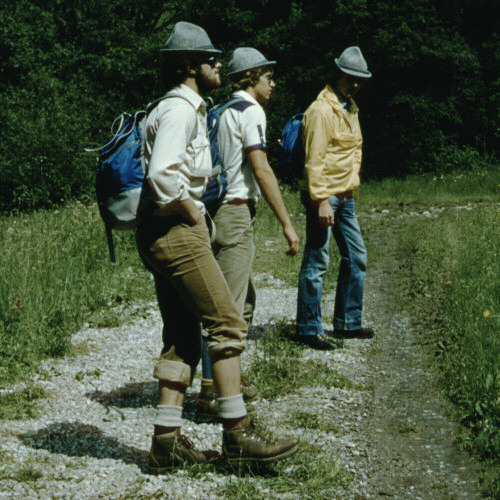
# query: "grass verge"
(452, 272)
(312, 473)
(55, 277)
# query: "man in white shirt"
(174, 244)
(242, 147)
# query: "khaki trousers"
(234, 250)
(190, 289)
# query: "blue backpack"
(216, 187)
(121, 170)
(120, 174)
(291, 162)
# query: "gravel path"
(91, 440)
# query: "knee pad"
(173, 371)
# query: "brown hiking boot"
(243, 444)
(175, 450)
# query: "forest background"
(69, 67)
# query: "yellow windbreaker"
(332, 143)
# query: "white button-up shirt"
(241, 132)
(177, 148)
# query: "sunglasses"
(211, 61)
(351, 79)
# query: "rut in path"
(411, 435)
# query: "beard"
(207, 80)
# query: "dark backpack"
(291, 161)
(217, 185)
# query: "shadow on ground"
(132, 395)
(81, 440)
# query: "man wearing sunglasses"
(332, 143)
(174, 244)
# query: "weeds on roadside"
(278, 368)
(312, 473)
(56, 276)
(452, 270)
(20, 405)
(307, 420)
(468, 186)
(28, 472)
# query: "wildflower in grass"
(486, 313)
(18, 306)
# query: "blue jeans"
(351, 278)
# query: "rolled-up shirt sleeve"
(253, 131)
(317, 130)
(172, 129)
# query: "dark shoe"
(361, 333)
(320, 342)
(243, 444)
(206, 410)
(175, 450)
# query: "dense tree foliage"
(68, 67)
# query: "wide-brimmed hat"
(245, 58)
(189, 39)
(352, 62)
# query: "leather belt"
(238, 201)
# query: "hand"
(188, 209)
(198, 220)
(293, 240)
(325, 213)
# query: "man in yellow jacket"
(332, 143)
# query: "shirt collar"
(332, 96)
(190, 95)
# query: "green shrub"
(68, 68)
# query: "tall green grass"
(453, 272)
(468, 186)
(55, 277)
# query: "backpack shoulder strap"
(234, 101)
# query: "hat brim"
(260, 65)
(196, 52)
(350, 71)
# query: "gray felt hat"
(188, 38)
(245, 58)
(352, 62)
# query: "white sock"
(168, 416)
(231, 407)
